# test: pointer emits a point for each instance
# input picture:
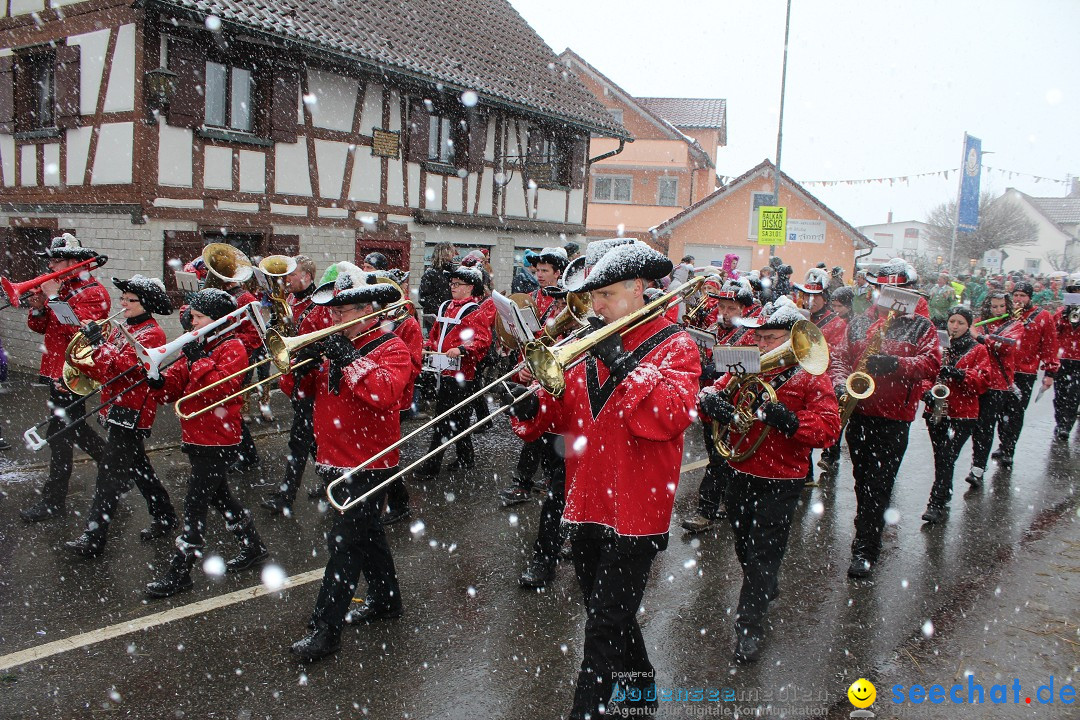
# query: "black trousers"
(62, 449)
(450, 394)
(528, 462)
(125, 462)
(357, 545)
(992, 404)
(613, 584)
(877, 447)
(947, 439)
(714, 483)
(549, 538)
(301, 445)
(1067, 395)
(760, 512)
(208, 486)
(1012, 416)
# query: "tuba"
(225, 265)
(275, 268)
(807, 348)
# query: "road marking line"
(146, 622)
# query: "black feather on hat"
(67, 247)
(607, 262)
(353, 286)
(150, 291)
(213, 303)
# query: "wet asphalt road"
(472, 643)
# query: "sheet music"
(64, 313)
(737, 360)
(437, 362)
(944, 339)
(521, 322)
(898, 300)
(186, 281)
(1070, 299)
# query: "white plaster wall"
(120, 96)
(217, 168)
(577, 205)
(453, 195)
(487, 186)
(395, 195)
(291, 168)
(365, 176)
(21, 7)
(515, 198)
(330, 157)
(174, 155)
(28, 165)
(551, 205)
(371, 115)
(78, 145)
(7, 159)
(52, 164)
(112, 164)
(395, 111)
(433, 192)
(252, 171)
(92, 64)
(334, 100)
(414, 186)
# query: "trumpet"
(15, 291)
(548, 364)
(281, 350)
(941, 393)
(571, 318)
(79, 353)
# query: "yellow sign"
(772, 225)
(862, 693)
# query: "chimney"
(890, 217)
(1074, 191)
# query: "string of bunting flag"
(906, 179)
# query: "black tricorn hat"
(607, 262)
(67, 247)
(353, 286)
(151, 293)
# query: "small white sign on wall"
(806, 231)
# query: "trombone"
(15, 291)
(548, 364)
(281, 349)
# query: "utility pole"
(780, 126)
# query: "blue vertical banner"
(967, 214)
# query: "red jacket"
(116, 356)
(1039, 343)
(913, 339)
(832, 326)
(1001, 352)
(963, 401)
(456, 317)
(1068, 335)
(221, 426)
(89, 301)
(248, 332)
(363, 417)
(410, 333)
(624, 442)
(812, 399)
(308, 316)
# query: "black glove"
(310, 356)
(879, 365)
(155, 383)
(928, 399)
(780, 417)
(195, 351)
(948, 372)
(528, 408)
(340, 352)
(981, 339)
(92, 333)
(715, 406)
(839, 391)
(611, 352)
(185, 318)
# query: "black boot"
(85, 545)
(367, 612)
(159, 527)
(277, 504)
(974, 480)
(933, 514)
(317, 644)
(177, 578)
(747, 648)
(860, 567)
(252, 550)
(539, 573)
(41, 511)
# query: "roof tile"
(688, 112)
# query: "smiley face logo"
(862, 693)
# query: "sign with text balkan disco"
(772, 225)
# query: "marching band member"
(736, 307)
(89, 301)
(900, 353)
(841, 302)
(358, 392)
(764, 489)
(1067, 381)
(211, 442)
(965, 371)
(308, 317)
(460, 331)
(1036, 349)
(622, 416)
(128, 418)
(247, 455)
(1000, 338)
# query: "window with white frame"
(612, 188)
(229, 97)
(1032, 265)
(442, 130)
(667, 191)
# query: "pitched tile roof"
(1060, 211)
(689, 112)
(483, 45)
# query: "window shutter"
(474, 160)
(419, 131)
(7, 94)
(578, 150)
(536, 145)
(68, 110)
(183, 247)
(188, 105)
(284, 92)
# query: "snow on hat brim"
(150, 291)
(817, 282)
(607, 262)
(781, 314)
(896, 272)
(553, 256)
(213, 303)
(353, 286)
(67, 247)
(469, 274)
(739, 290)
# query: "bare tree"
(1001, 225)
(1066, 260)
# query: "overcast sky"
(874, 88)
